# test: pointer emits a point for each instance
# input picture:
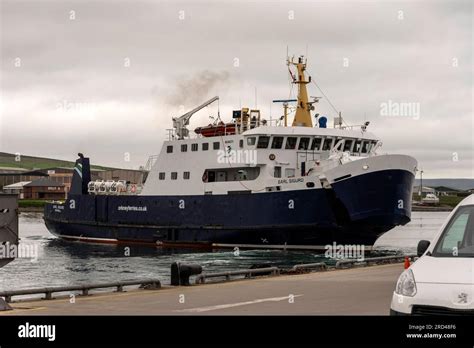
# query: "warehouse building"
(45, 188)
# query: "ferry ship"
(250, 181)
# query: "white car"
(441, 281)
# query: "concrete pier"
(356, 291)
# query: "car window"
(458, 236)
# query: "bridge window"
(277, 142)
(327, 144)
(348, 145)
(162, 176)
(365, 146)
(174, 175)
(184, 148)
(316, 144)
(216, 145)
(186, 175)
(251, 141)
(169, 149)
(291, 143)
(357, 147)
(304, 144)
(205, 146)
(263, 142)
(194, 147)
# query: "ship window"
(357, 146)
(316, 144)
(231, 174)
(210, 176)
(304, 144)
(184, 148)
(277, 142)
(251, 141)
(205, 146)
(277, 172)
(186, 175)
(348, 145)
(263, 142)
(162, 176)
(327, 144)
(194, 147)
(221, 176)
(291, 143)
(174, 175)
(289, 172)
(241, 143)
(216, 145)
(169, 149)
(365, 146)
(372, 145)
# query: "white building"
(16, 188)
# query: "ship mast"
(302, 116)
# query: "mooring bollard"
(4, 306)
(180, 273)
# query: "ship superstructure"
(249, 181)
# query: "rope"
(329, 101)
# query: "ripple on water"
(69, 263)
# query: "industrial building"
(44, 188)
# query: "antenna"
(255, 97)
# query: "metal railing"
(320, 265)
(201, 279)
(148, 283)
(377, 260)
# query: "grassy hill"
(32, 162)
(457, 184)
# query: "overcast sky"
(104, 78)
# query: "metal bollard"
(180, 273)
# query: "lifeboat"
(214, 130)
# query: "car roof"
(467, 201)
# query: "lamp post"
(421, 184)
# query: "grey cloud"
(82, 61)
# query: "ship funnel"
(81, 176)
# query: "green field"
(31, 162)
(452, 201)
(28, 203)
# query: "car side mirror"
(422, 247)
